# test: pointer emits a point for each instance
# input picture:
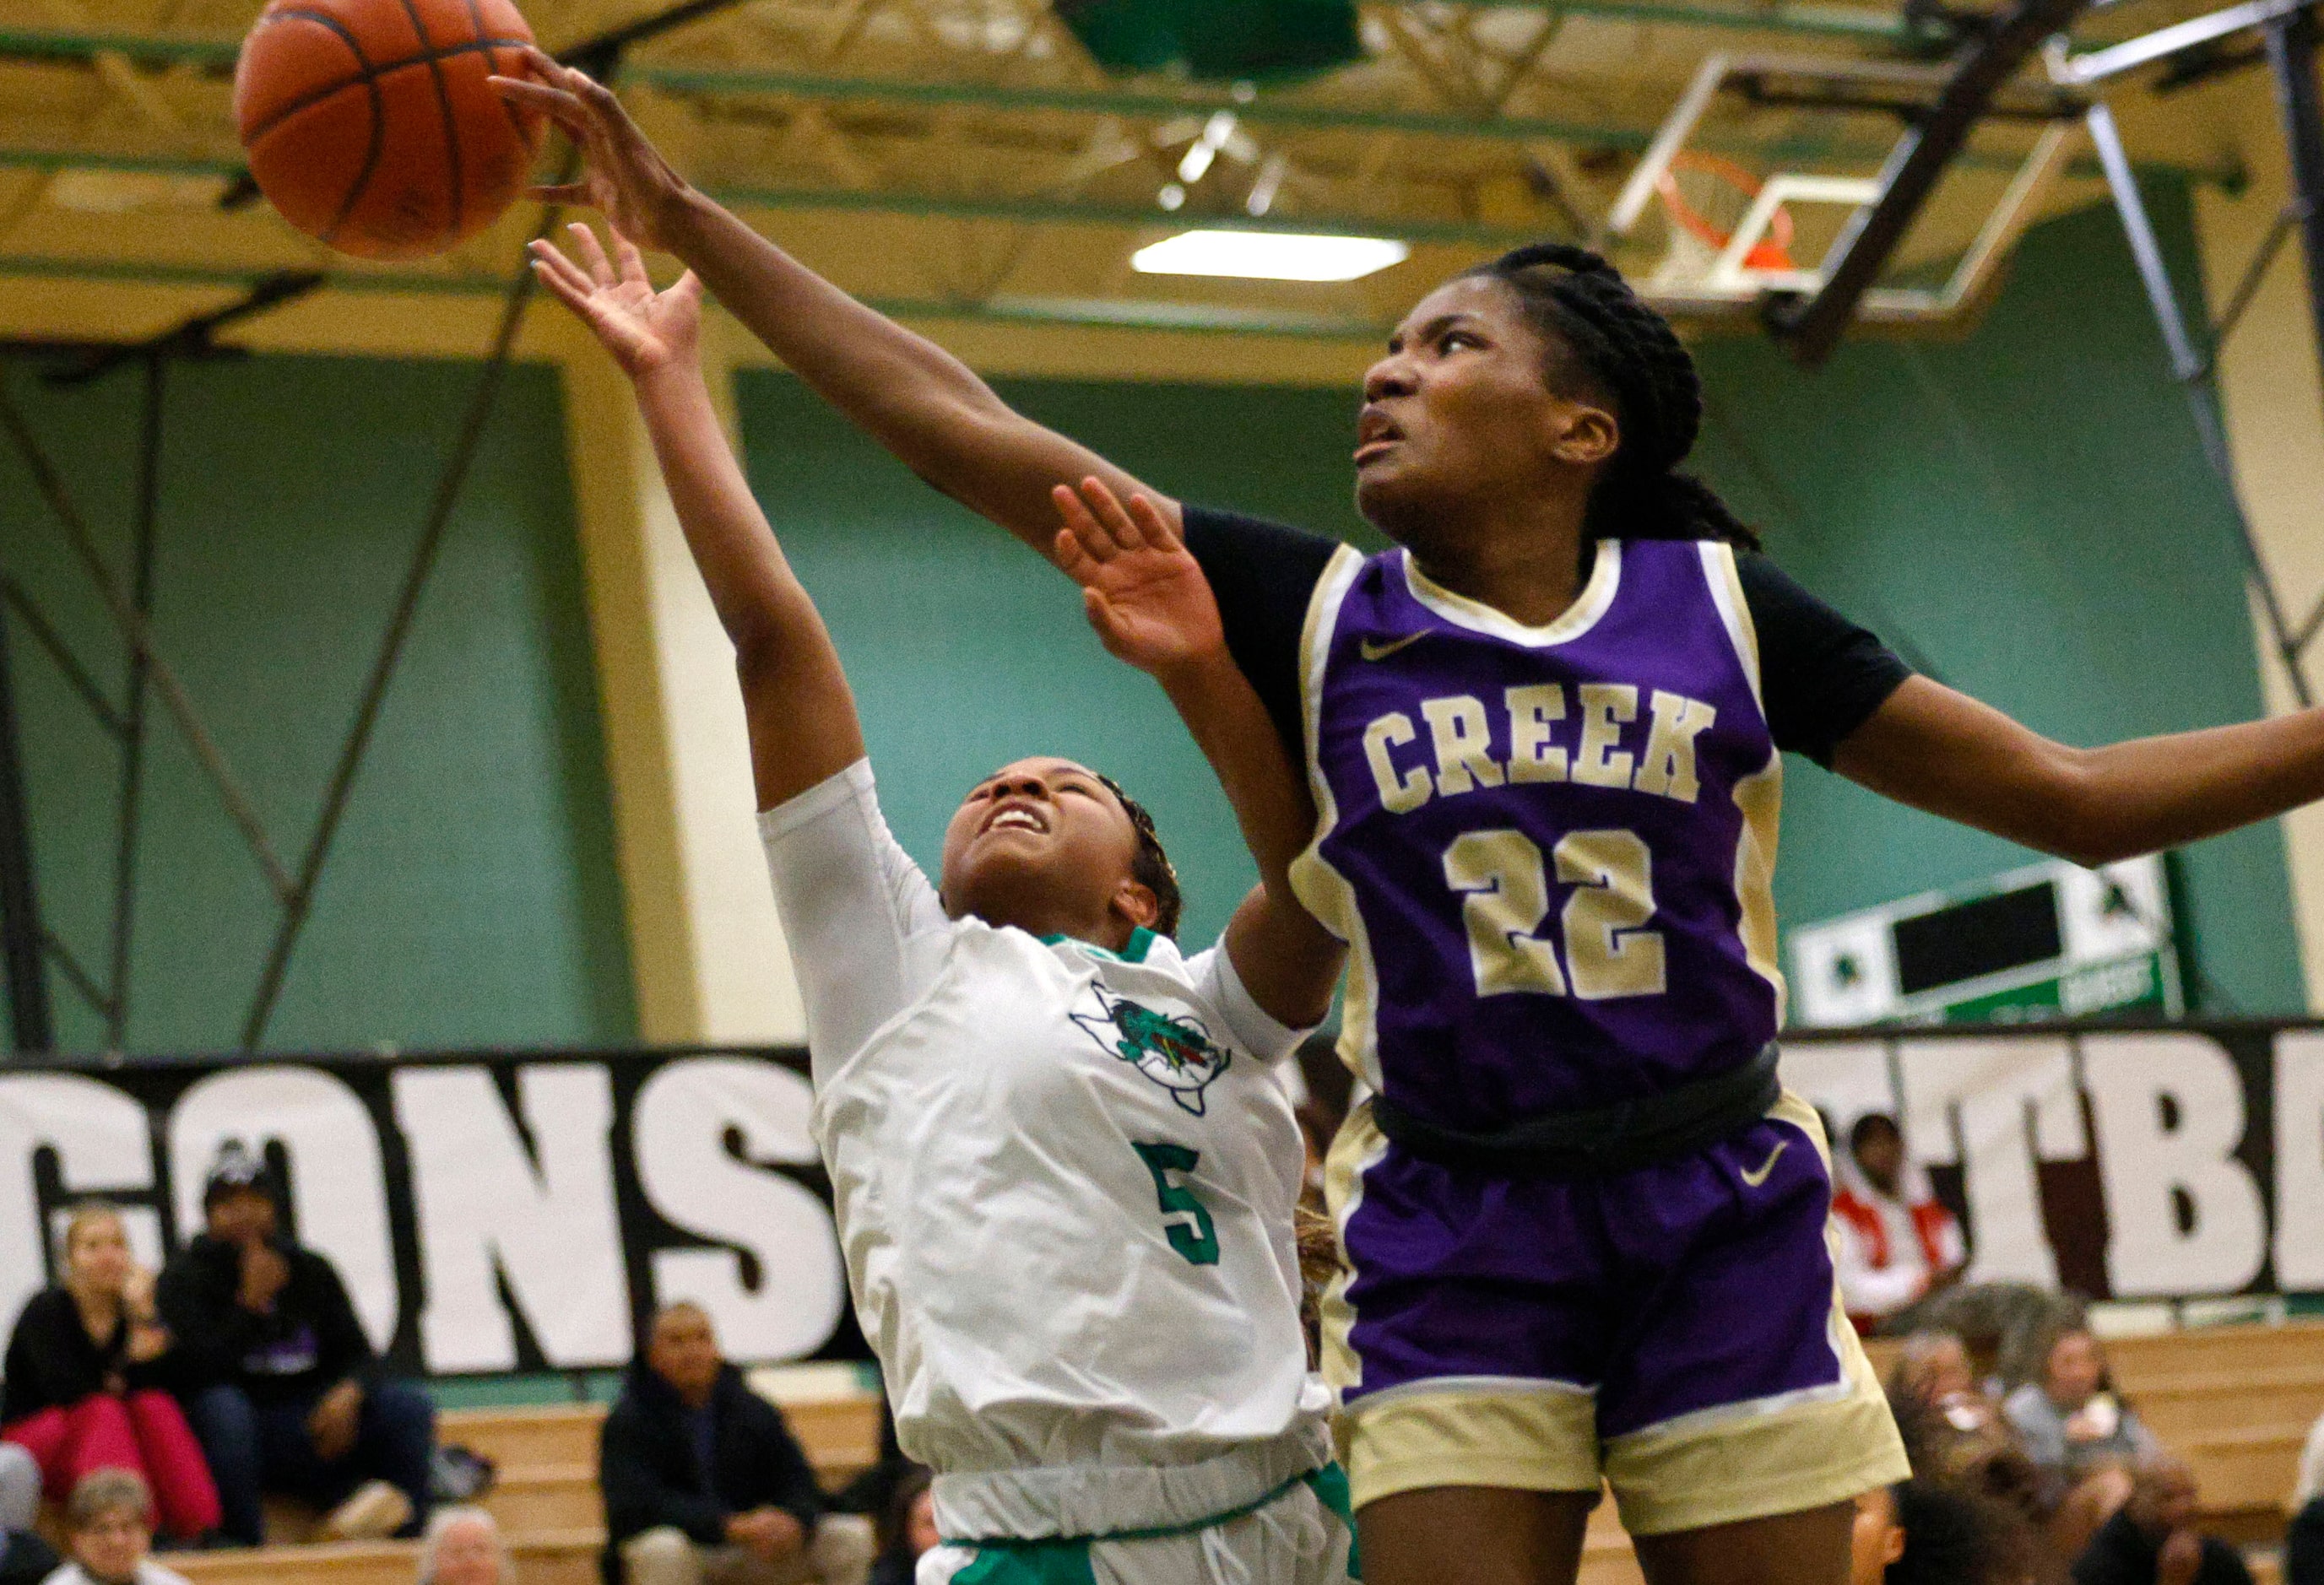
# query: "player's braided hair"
(1152, 868)
(1581, 305)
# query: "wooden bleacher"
(545, 1497)
(2237, 1402)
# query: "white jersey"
(1064, 1183)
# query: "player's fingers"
(560, 287)
(1106, 506)
(1095, 541)
(593, 253)
(1152, 523)
(561, 106)
(1072, 560)
(687, 289)
(563, 193)
(552, 261)
(632, 264)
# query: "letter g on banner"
(2170, 1113)
(682, 1122)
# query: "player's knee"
(664, 1555)
(843, 1549)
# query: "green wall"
(2025, 510)
(471, 897)
(2026, 513)
(967, 652)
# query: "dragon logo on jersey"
(1176, 1052)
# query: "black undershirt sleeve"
(1821, 674)
(1263, 575)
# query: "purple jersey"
(1549, 848)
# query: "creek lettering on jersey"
(1600, 741)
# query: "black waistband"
(1603, 1141)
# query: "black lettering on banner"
(494, 1213)
(488, 1212)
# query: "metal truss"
(1473, 126)
(24, 943)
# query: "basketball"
(369, 125)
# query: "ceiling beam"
(1085, 312)
(1865, 24)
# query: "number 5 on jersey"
(1185, 1220)
(1608, 953)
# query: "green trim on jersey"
(1029, 1562)
(1133, 951)
(1320, 1479)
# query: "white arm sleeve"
(866, 931)
(1214, 977)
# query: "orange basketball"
(369, 123)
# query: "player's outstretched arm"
(1151, 607)
(795, 694)
(916, 399)
(1943, 752)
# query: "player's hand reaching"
(644, 329)
(1145, 592)
(624, 176)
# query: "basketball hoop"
(1705, 198)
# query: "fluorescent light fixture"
(1259, 255)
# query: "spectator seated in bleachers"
(285, 1390)
(90, 1370)
(1957, 1435)
(1923, 1532)
(25, 1557)
(908, 1529)
(20, 1488)
(2006, 1326)
(463, 1546)
(2152, 1540)
(704, 1483)
(2071, 1419)
(109, 1525)
(2303, 1541)
(1896, 1248)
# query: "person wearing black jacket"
(2151, 1539)
(284, 1389)
(704, 1483)
(89, 1373)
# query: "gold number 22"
(1505, 883)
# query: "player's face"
(1460, 410)
(1038, 841)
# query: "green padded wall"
(2027, 513)
(471, 897)
(2025, 508)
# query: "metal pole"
(2190, 368)
(2291, 57)
(132, 742)
(33, 1025)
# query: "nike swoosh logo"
(1752, 1180)
(1372, 651)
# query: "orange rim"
(1771, 251)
